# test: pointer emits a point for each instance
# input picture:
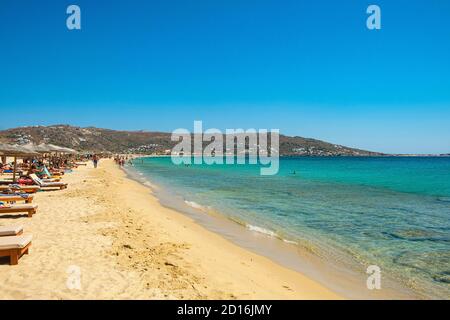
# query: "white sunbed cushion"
(46, 184)
(16, 242)
(10, 230)
(36, 179)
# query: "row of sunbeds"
(13, 243)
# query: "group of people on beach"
(120, 160)
(44, 170)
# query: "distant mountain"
(92, 139)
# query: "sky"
(308, 68)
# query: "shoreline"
(128, 246)
(333, 271)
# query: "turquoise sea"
(393, 212)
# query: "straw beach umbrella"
(16, 151)
(32, 147)
(56, 149)
(50, 149)
(43, 148)
(69, 150)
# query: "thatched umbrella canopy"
(56, 148)
(36, 148)
(51, 148)
(16, 151)
(47, 148)
(69, 150)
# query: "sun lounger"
(16, 197)
(10, 173)
(44, 184)
(51, 180)
(7, 231)
(15, 247)
(10, 180)
(21, 188)
(16, 208)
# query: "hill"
(93, 139)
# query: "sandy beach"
(111, 233)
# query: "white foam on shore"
(261, 230)
(149, 184)
(194, 205)
(290, 242)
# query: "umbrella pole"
(15, 168)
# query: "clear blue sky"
(309, 68)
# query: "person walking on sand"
(95, 160)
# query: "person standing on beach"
(95, 160)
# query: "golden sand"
(127, 246)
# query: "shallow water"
(391, 212)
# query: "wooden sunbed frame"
(15, 197)
(26, 189)
(14, 254)
(30, 209)
(10, 180)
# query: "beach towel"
(47, 173)
(3, 205)
(25, 181)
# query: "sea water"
(393, 212)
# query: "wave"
(261, 230)
(269, 233)
(444, 199)
(290, 241)
(418, 235)
(194, 205)
(149, 184)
